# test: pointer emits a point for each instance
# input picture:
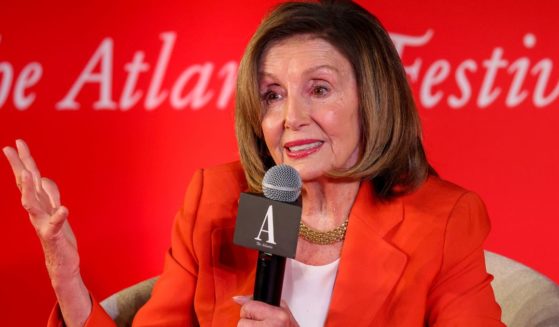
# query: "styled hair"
(392, 155)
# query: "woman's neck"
(327, 203)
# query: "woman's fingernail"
(241, 299)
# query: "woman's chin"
(309, 174)
(309, 170)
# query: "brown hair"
(392, 155)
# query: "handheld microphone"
(270, 224)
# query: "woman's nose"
(296, 113)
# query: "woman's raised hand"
(41, 199)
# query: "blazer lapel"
(369, 266)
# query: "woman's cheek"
(272, 137)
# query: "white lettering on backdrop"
(179, 97)
(440, 70)
(192, 88)
(28, 77)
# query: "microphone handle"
(269, 278)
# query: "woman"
(383, 242)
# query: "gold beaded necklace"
(323, 238)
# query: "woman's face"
(309, 95)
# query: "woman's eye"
(320, 91)
(270, 97)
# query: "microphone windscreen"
(282, 183)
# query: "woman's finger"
(57, 220)
(256, 310)
(15, 163)
(29, 162)
(249, 323)
(29, 195)
(52, 192)
(241, 299)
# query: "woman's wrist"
(74, 300)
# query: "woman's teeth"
(304, 146)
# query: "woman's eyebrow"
(322, 67)
(265, 74)
(262, 74)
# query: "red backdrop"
(121, 101)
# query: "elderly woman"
(383, 242)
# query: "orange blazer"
(414, 261)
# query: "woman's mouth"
(302, 148)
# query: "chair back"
(527, 298)
(123, 305)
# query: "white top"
(307, 290)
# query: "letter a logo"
(269, 219)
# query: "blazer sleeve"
(172, 298)
(98, 317)
(461, 294)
